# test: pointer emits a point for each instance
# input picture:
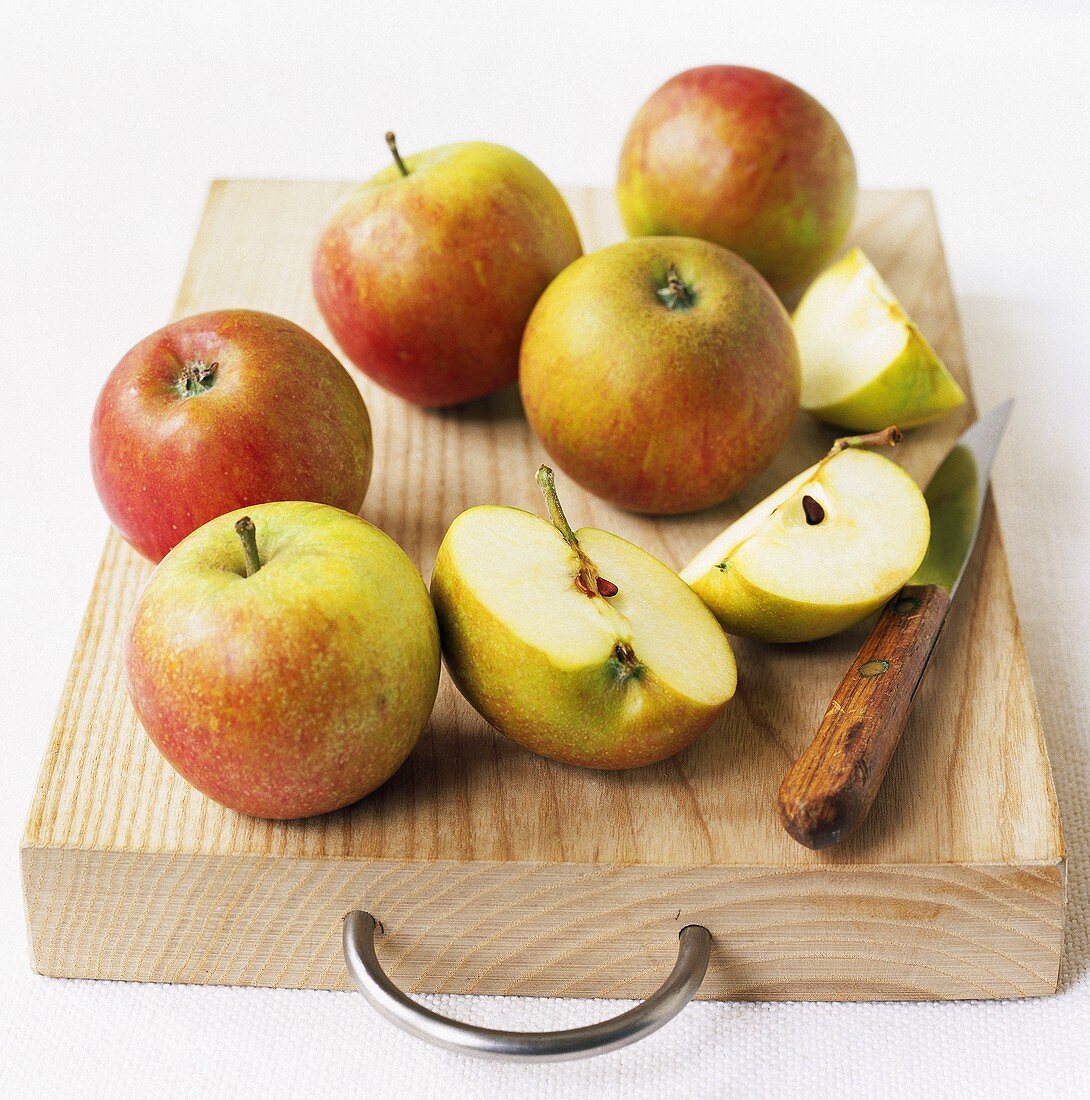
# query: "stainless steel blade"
(955, 497)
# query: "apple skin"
(747, 611)
(282, 420)
(297, 690)
(426, 280)
(915, 389)
(660, 410)
(746, 159)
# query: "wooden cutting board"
(495, 871)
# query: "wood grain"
(494, 870)
(830, 788)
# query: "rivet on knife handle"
(830, 789)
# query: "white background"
(114, 118)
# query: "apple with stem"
(660, 373)
(427, 273)
(284, 658)
(576, 644)
(865, 363)
(820, 553)
(746, 159)
(220, 411)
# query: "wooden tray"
(495, 871)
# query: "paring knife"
(830, 788)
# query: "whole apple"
(427, 273)
(746, 159)
(220, 411)
(284, 658)
(660, 373)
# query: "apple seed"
(814, 511)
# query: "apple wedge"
(820, 553)
(579, 646)
(864, 363)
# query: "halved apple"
(579, 646)
(819, 554)
(864, 363)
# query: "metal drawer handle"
(524, 1046)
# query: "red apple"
(427, 273)
(284, 658)
(745, 159)
(220, 411)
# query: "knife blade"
(831, 787)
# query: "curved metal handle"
(662, 1006)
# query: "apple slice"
(579, 646)
(821, 552)
(864, 363)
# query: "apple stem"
(887, 437)
(587, 579)
(247, 534)
(676, 294)
(391, 143)
(547, 480)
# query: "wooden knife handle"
(830, 788)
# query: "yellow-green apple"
(864, 362)
(660, 373)
(821, 552)
(284, 658)
(746, 159)
(220, 411)
(577, 645)
(426, 273)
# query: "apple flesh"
(602, 681)
(427, 273)
(296, 689)
(220, 411)
(817, 555)
(746, 159)
(661, 373)
(864, 362)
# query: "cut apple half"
(865, 364)
(585, 649)
(817, 555)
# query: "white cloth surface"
(114, 117)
